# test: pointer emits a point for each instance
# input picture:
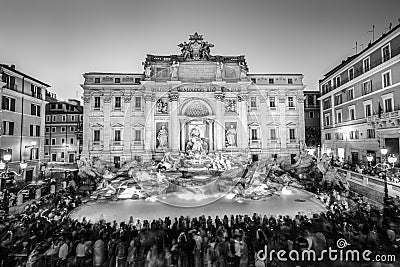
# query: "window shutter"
(11, 128)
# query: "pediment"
(117, 125)
(291, 124)
(273, 124)
(137, 125)
(254, 124)
(96, 125)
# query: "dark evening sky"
(57, 41)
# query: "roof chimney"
(12, 67)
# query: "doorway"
(117, 162)
(28, 176)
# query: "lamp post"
(383, 173)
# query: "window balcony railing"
(359, 71)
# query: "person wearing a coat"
(99, 253)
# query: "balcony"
(385, 119)
(137, 144)
(255, 144)
(359, 71)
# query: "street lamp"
(383, 173)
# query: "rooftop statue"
(196, 49)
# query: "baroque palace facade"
(194, 101)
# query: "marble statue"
(162, 106)
(195, 132)
(148, 72)
(231, 136)
(162, 137)
(218, 74)
(174, 71)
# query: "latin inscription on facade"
(197, 72)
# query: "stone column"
(87, 132)
(263, 124)
(174, 133)
(107, 130)
(219, 124)
(301, 123)
(282, 133)
(244, 128)
(149, 120)
(127, 134)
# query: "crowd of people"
(43, 235)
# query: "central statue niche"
(197, 138)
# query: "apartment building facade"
(360, 102)
(63, 140)
(22, 122)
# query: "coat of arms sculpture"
(196, 49)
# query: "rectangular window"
(53, 129)
(53, 157)
(366, 87)
(290, 81)
(337, 81)
(354, 135)
(72, 128)
(386, 79)
(273, 134)
(34, 153)
(63, 141)
(8, 127)
(97, 102)
(138, 102)
(368, 110)
(272, 103)
(48, 118)
(254, 134)
(352, 113)
(370, 133)
(327, 136)
(253, 102)
(327, 103)
(62, 155)
(388, 105)
(31, 130)
(271, 80)
(291, 102)
(8, 103)
(63, 129)
(339, 136)
(37, 130)
(351, 73)
(47, 142)
(386, 52)
(138, 135)
(53, 141)
(64, 118)
(117, 135)
(117, 103)
(350, 93)
(96, 135)
(338, 99)
(54, 117)
(292, 135)
(327, 120)
(96, 80)
(366, 64)
(117, 80)
(47, 129)
(311, 115)
(35, 110)
(72, 117)
(71, 141)
(339, 116)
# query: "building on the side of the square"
(311, 120)
(22, 122)
(64, 124)
(360, 102)
(194, 101)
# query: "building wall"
(63, 126)
(260, 117)
(363, 134)
(21, 142)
